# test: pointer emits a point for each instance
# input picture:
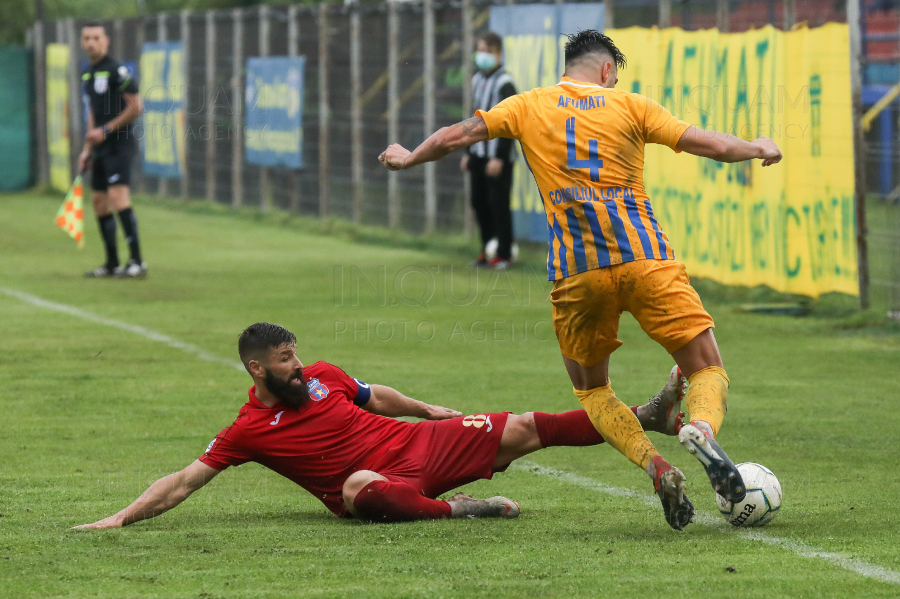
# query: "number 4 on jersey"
(593, 161)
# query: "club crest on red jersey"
(317, 390)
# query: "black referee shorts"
(112, 167)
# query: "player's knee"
(520, 429)
(526, 423)
(355, 483)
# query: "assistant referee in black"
(110, 146)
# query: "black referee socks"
(108, 231)
(129, 225)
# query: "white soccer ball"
(763, 498)
(490, 249)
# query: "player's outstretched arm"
(442, 142)
(161, 496)
(728, 148)
(386, 401)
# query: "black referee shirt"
(105, 84)
(488, 91)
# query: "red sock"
(569, 429)
(384, 501)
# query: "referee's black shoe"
(101, 272)
(131, 270)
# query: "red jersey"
(317, 445)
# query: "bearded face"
(291, 391)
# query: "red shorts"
(440, 455)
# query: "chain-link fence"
(396, 71)
(347, 114)
(880, 26)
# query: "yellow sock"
(618, 424)
(707, 397)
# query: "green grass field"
(92, 413)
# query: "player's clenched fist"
(770, 152)
(394, 158)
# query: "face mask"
(485, 61)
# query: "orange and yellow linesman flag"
(70, 216)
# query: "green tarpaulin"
(16, 99)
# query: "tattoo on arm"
(448, 139)
(473, 126)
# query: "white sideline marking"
(859, 566)
(124, 326)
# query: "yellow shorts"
(658, 293)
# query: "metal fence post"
(393, 120)
(356, 114)
(859, 159)
(237, 148)
(162, 36)
(468, 45)
(665, 13)
(61, 38)
(790, 15)
(40, 104)
(723, 9)
(324, 181)
(264, 187)
(118, 42)
(429, 117)
(118, 38)
(140, 179)
(76, 134)
(293, 50)
(185, 27)
(209, 95)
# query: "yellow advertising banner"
(790, 226)
(162, 88)
(58, 116)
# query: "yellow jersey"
(584, 145)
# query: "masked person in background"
(491, 162)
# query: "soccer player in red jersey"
(333, 435)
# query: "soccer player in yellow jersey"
(584, 142)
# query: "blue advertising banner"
(162, 127)
(273, 133)
(533, 53)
